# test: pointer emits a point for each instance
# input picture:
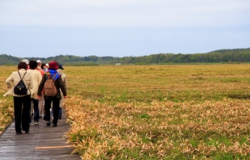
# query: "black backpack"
(20, 88)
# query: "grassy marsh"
(157, 111)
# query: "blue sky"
(122, 28)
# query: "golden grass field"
(155, 111)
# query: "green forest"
(217, 56)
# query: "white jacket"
(36, 78)
(13, 80)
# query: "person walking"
(41, 101)
(27, 62)
(21, 102)
(39, 63)
(55, 100)
(37, 78)
(44, 67)
(65, 83)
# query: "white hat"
(26, 61)
(39, 61)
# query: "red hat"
(53, 65)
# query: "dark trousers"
(55, 102)
(22, 113)
(36, 109)
(59, 113)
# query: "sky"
(122, 28)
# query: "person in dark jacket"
(55, 100)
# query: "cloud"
(113, 13)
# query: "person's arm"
(40, 88)
(9, 81)
(62, 86)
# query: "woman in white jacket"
(21, 102)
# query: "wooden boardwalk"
(42, 143)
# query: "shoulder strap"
(21, 78)
(20, 75)
(54, 76)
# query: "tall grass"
(158, 112)
(6, 105)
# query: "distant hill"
(217, 56)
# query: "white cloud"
(109, 13)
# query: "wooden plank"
(42, 142)
(52, 147)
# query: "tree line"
(217, 56)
